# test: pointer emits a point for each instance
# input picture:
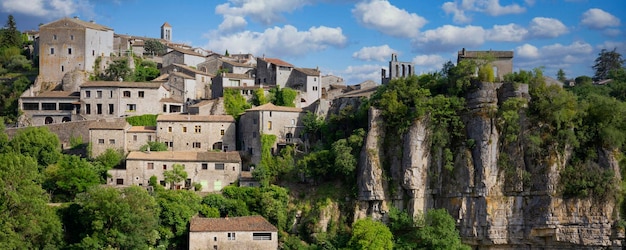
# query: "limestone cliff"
(520, 208)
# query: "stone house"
(247, 232)
(234, 81)
(49, 107)
(231, 66)
(70, 44)
(182, 56)
(208, 107)
(187, 83)
(108, 134)
(268, 119)
(273, 71)
(197, 132)
(308, 84)
(501, 61)
(105, 99)
(397, 70)
(213, 170)
(137, 136)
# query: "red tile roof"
(254, 223)
(271, 107)
(277, 61)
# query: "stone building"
(248, 232)
(108, 134)
(105, 99)
(49, 107)
(242, 82)
(197, 132)
(232, 66)
(307, 82)
(187, 84)
(501, 61)
(397, 69)
(269, 119)
(70, 44)
(212, 170)
(183, 56)
(166, 31)
(273, 72)
(137, 136)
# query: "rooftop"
(142, 129)
(485, 53)
(309, 71)
(117, 84)
(254, 223)
(110, 124)
(195, 118)
(277, 61)
(271, 107)
(90, 25)
(186, 51)
(186, 156)
(57, 94)
(189, 68)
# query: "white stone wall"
(97, 43)
(103, 139)
(255, 123)
(243, 240)
(210, 133)
(148, 104)
(134, 140)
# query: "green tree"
(117, 219)
(153, 146)
(370, 234)
(439, 231)
(119, 69)
(154, 47)
(176, 175)
(234, 103)
(39, 143)
(11, 37)
(485, 73)
(258, 97)
(70, 176)
(26, 221)
(142, 120)
(225, 206)
(146, 71)
(606, 62)
(560, 75)
(177, 208)
(110, 158)
(283, 97)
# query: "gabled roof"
(117, 124)
(185, 51)
(186, 156)
(142, 129)
(186, 67)
(170, 100)
(181, 74)
(237, 64)
(277, 61)
(254, 223)
(235, 76)
(89, 25)
(195, 118)
(166, 25)
(309, 71)
(271, 107)
(117, 84)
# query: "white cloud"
(450, 37)
(278, 41)
(41, 8)
(598, 19)
(507, 33)
(360, 73)
(611, 45)
(612, 32)
(428, 63)
(553, 56)
(491, 7)
(527, 51)
(375, 53)
(388, 19)
(266, 12)
(232, 23)
(547, 27)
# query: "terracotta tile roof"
(203, 103)
(186, 156)
(142, 129)
(254, 223)
(161, 78)
(113, 124)
(166, 25)
(170, 100)
(57, 94)
(271, 107)
(277, 61)
(365, 92)
(237, 64)
(309, 71)
(195, 118)
(117, 84)
(186, 51)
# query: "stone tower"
(166, 32)
(397, 69)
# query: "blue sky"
(354, 38)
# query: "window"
(112, 141)
(126, 93)
(269, 125)
(88, 109)
(164, 166)
(111, 109)
(219, 166)
(98, 94)
(261, 236)
(62, 68)
(99, 109)
(100, 141)
(171, 144)
(197, 145)
(30, 106)
(253, 134)
(198, 129)
(293, 121)
(150, 165)
(119, 181)
(111, 94)
(270, 113)
(169, 129)
(71, 37)
(315, 88)
(54, 37)
(87, 94)
(221, 131)
(93, 53)
(184, 129)
(149, 138)
(48, 106)
(205, 166)
(134, 137)
(254, 121)
(231, 236)
(131, 107)
(141, 94)
(66, 106)
(51, 51)
(69, 51)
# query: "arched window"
(397, 70)
(217, 146)
(48, 120)
(403, 71)
(66, 119)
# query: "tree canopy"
(370, 234)
(154, 47)
(606, 62)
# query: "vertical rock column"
(415, 162)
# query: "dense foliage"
(142, 120)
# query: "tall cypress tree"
(11, 37)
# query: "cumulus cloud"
(42, 8)
(553, 56)
(599, 19)
(374, 53)
(544, 27)
(279, 41)
(527, 51)
(266, 12)
(507, 33)
(450, 37)
(360, 73)
(388, 19)
(232, 23)
(458, 8)
(428, 63)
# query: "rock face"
(493, 210)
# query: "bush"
(142, 120)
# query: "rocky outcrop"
(519, 208)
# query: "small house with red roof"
(246, 232)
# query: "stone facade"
(197, 84)
(107, 99)
(308, 84)
(137, 136)
(231, 80)
(249, 232)
(69, 44)
(213, 170)
(273, 71)
(283, 122)
(108, 134)
(197, 132)
(397, 69)
(502, 61)
(49, 107)
(182, 56)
